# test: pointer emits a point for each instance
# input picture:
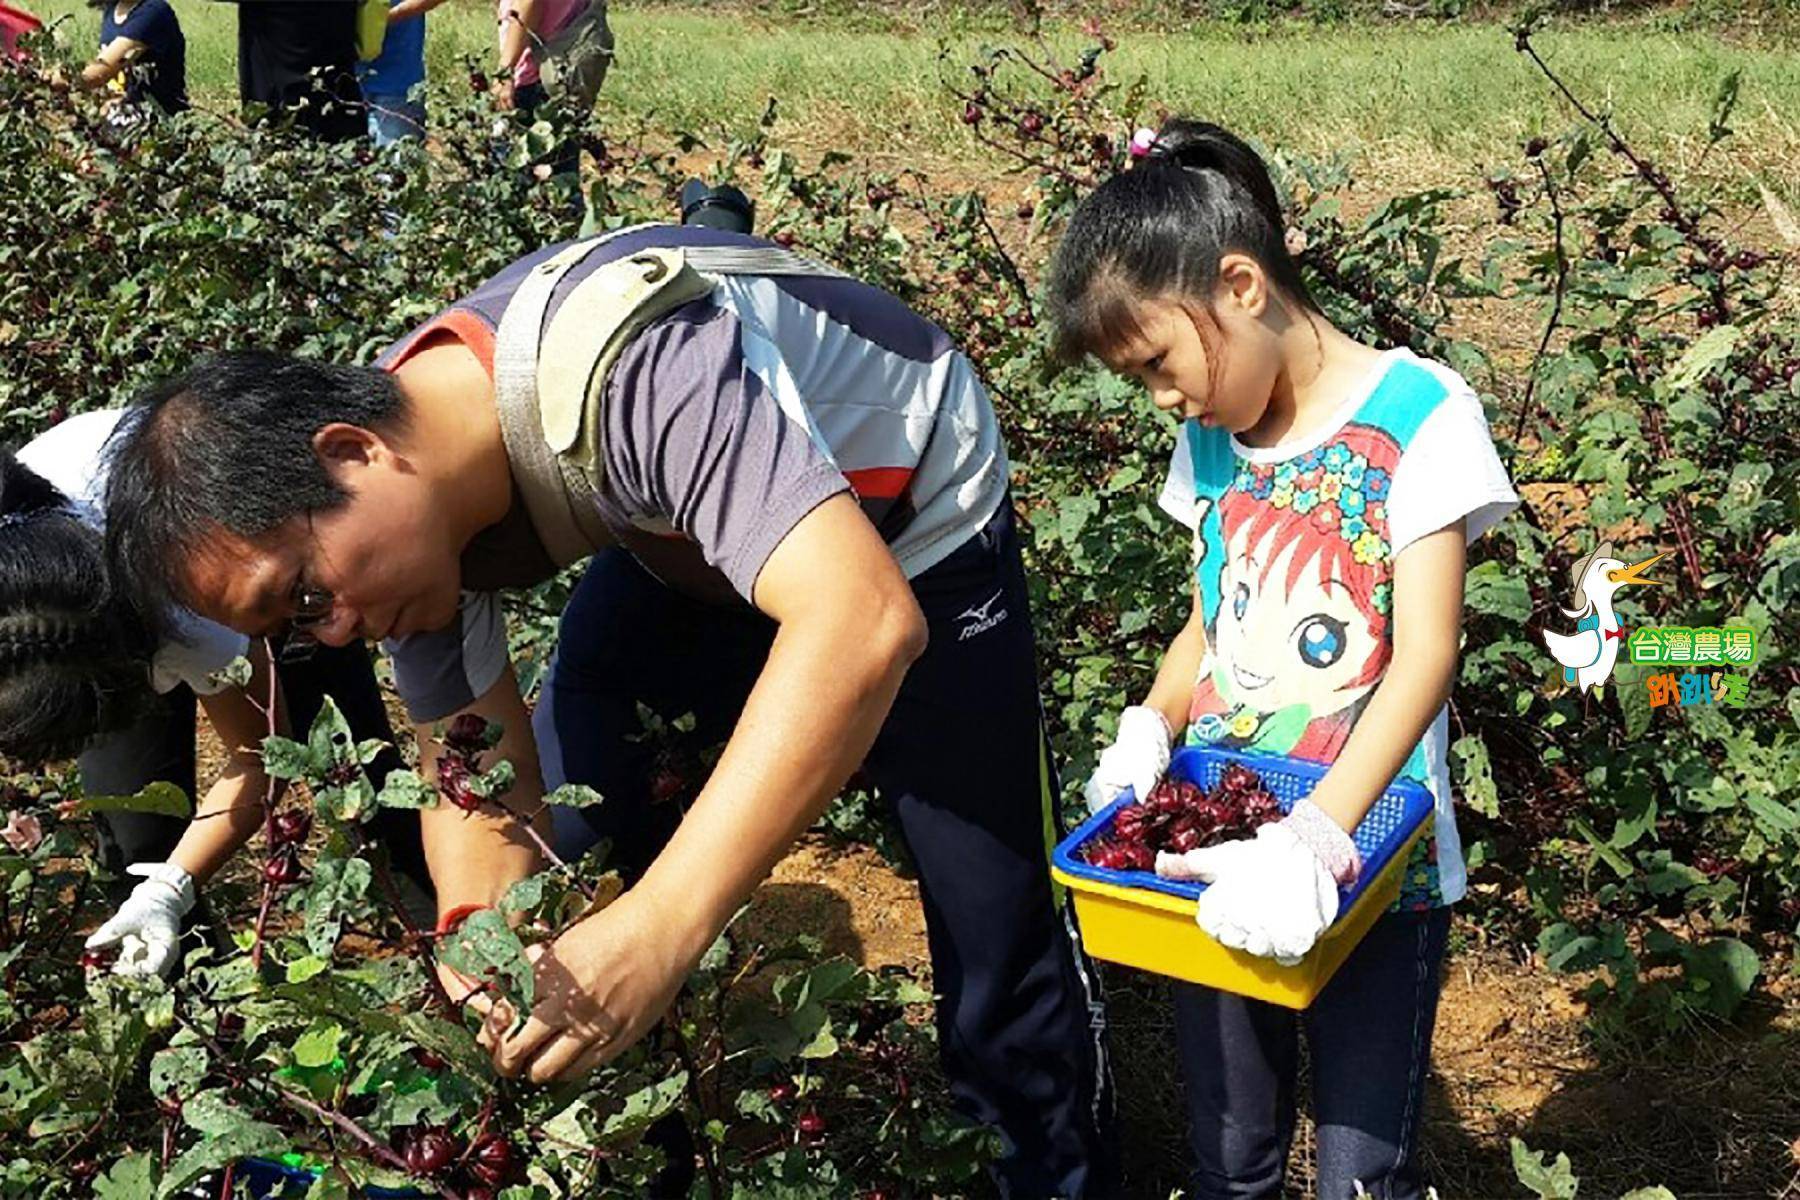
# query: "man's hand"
(601, 986)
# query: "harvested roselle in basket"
(1179, 815)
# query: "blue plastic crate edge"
(1188, 763)
(265, 1172)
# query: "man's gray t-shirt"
(725, 423)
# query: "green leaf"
(484, 947)
(330, 741)
(1729, 969)
(1608, 855)
(494, 782)
(337, 892)
(1498, 588)
(1478, 788)
(331, 1185)
(1649, 1193)
(1556, 1181)
(1639, 818)
(229, 1134)
(318, 1046)
(406, 789)
(160, 799)
(131, 1178)
(285, 758)
(644, 1107)
(574, 795)
(236, 673)
(1779, 818)
(526, 895)
(177, 1071)
(303, 969)
(1706, 352)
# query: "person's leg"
(963, 759)
(625, 640)
(1370, 1036)
(159, 747)
(1238, 1059)
(347, 675)
(395, 119)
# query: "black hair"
(1161, 229)
(227, 445)
(74, 652)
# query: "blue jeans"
(961, 759)
(395, 119)
(1369, 1034)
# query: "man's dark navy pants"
(962, 760)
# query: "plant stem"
(1562, 276)
(714, 1182)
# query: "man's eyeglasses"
(312, 607)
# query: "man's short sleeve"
(446, 670)
(1449, 470)
(695, 440)
(194, 653)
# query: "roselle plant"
(1656, 851)
(323, 1029)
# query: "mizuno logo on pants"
(981, 618)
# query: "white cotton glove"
(147, 927)
(1137, 758)
(1273, 895)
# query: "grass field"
(1440, 97)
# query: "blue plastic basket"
(271, 1180)
(1142, 920)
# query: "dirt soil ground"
(1716, 1116)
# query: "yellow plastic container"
(1153, 929)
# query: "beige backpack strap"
(569, 526)
(549, 383)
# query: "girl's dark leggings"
(1369, 1037)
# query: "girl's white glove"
(1276, 894)
(147, 927)
(1137, 758)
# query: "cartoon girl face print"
(1301, 623)
(1307, 642)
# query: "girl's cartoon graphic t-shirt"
(1294, 549)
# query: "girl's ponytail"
(1160, 229)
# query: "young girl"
(142, 47)
(1332, 489)
(82, 675)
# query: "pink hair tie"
(1142, 142)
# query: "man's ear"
(344, 449)
(1243, 284)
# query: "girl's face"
(1304, 646)
(1219, 368)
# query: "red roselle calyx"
(493, 1159)
(283, 868)
(456, 784)
(290, 826)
